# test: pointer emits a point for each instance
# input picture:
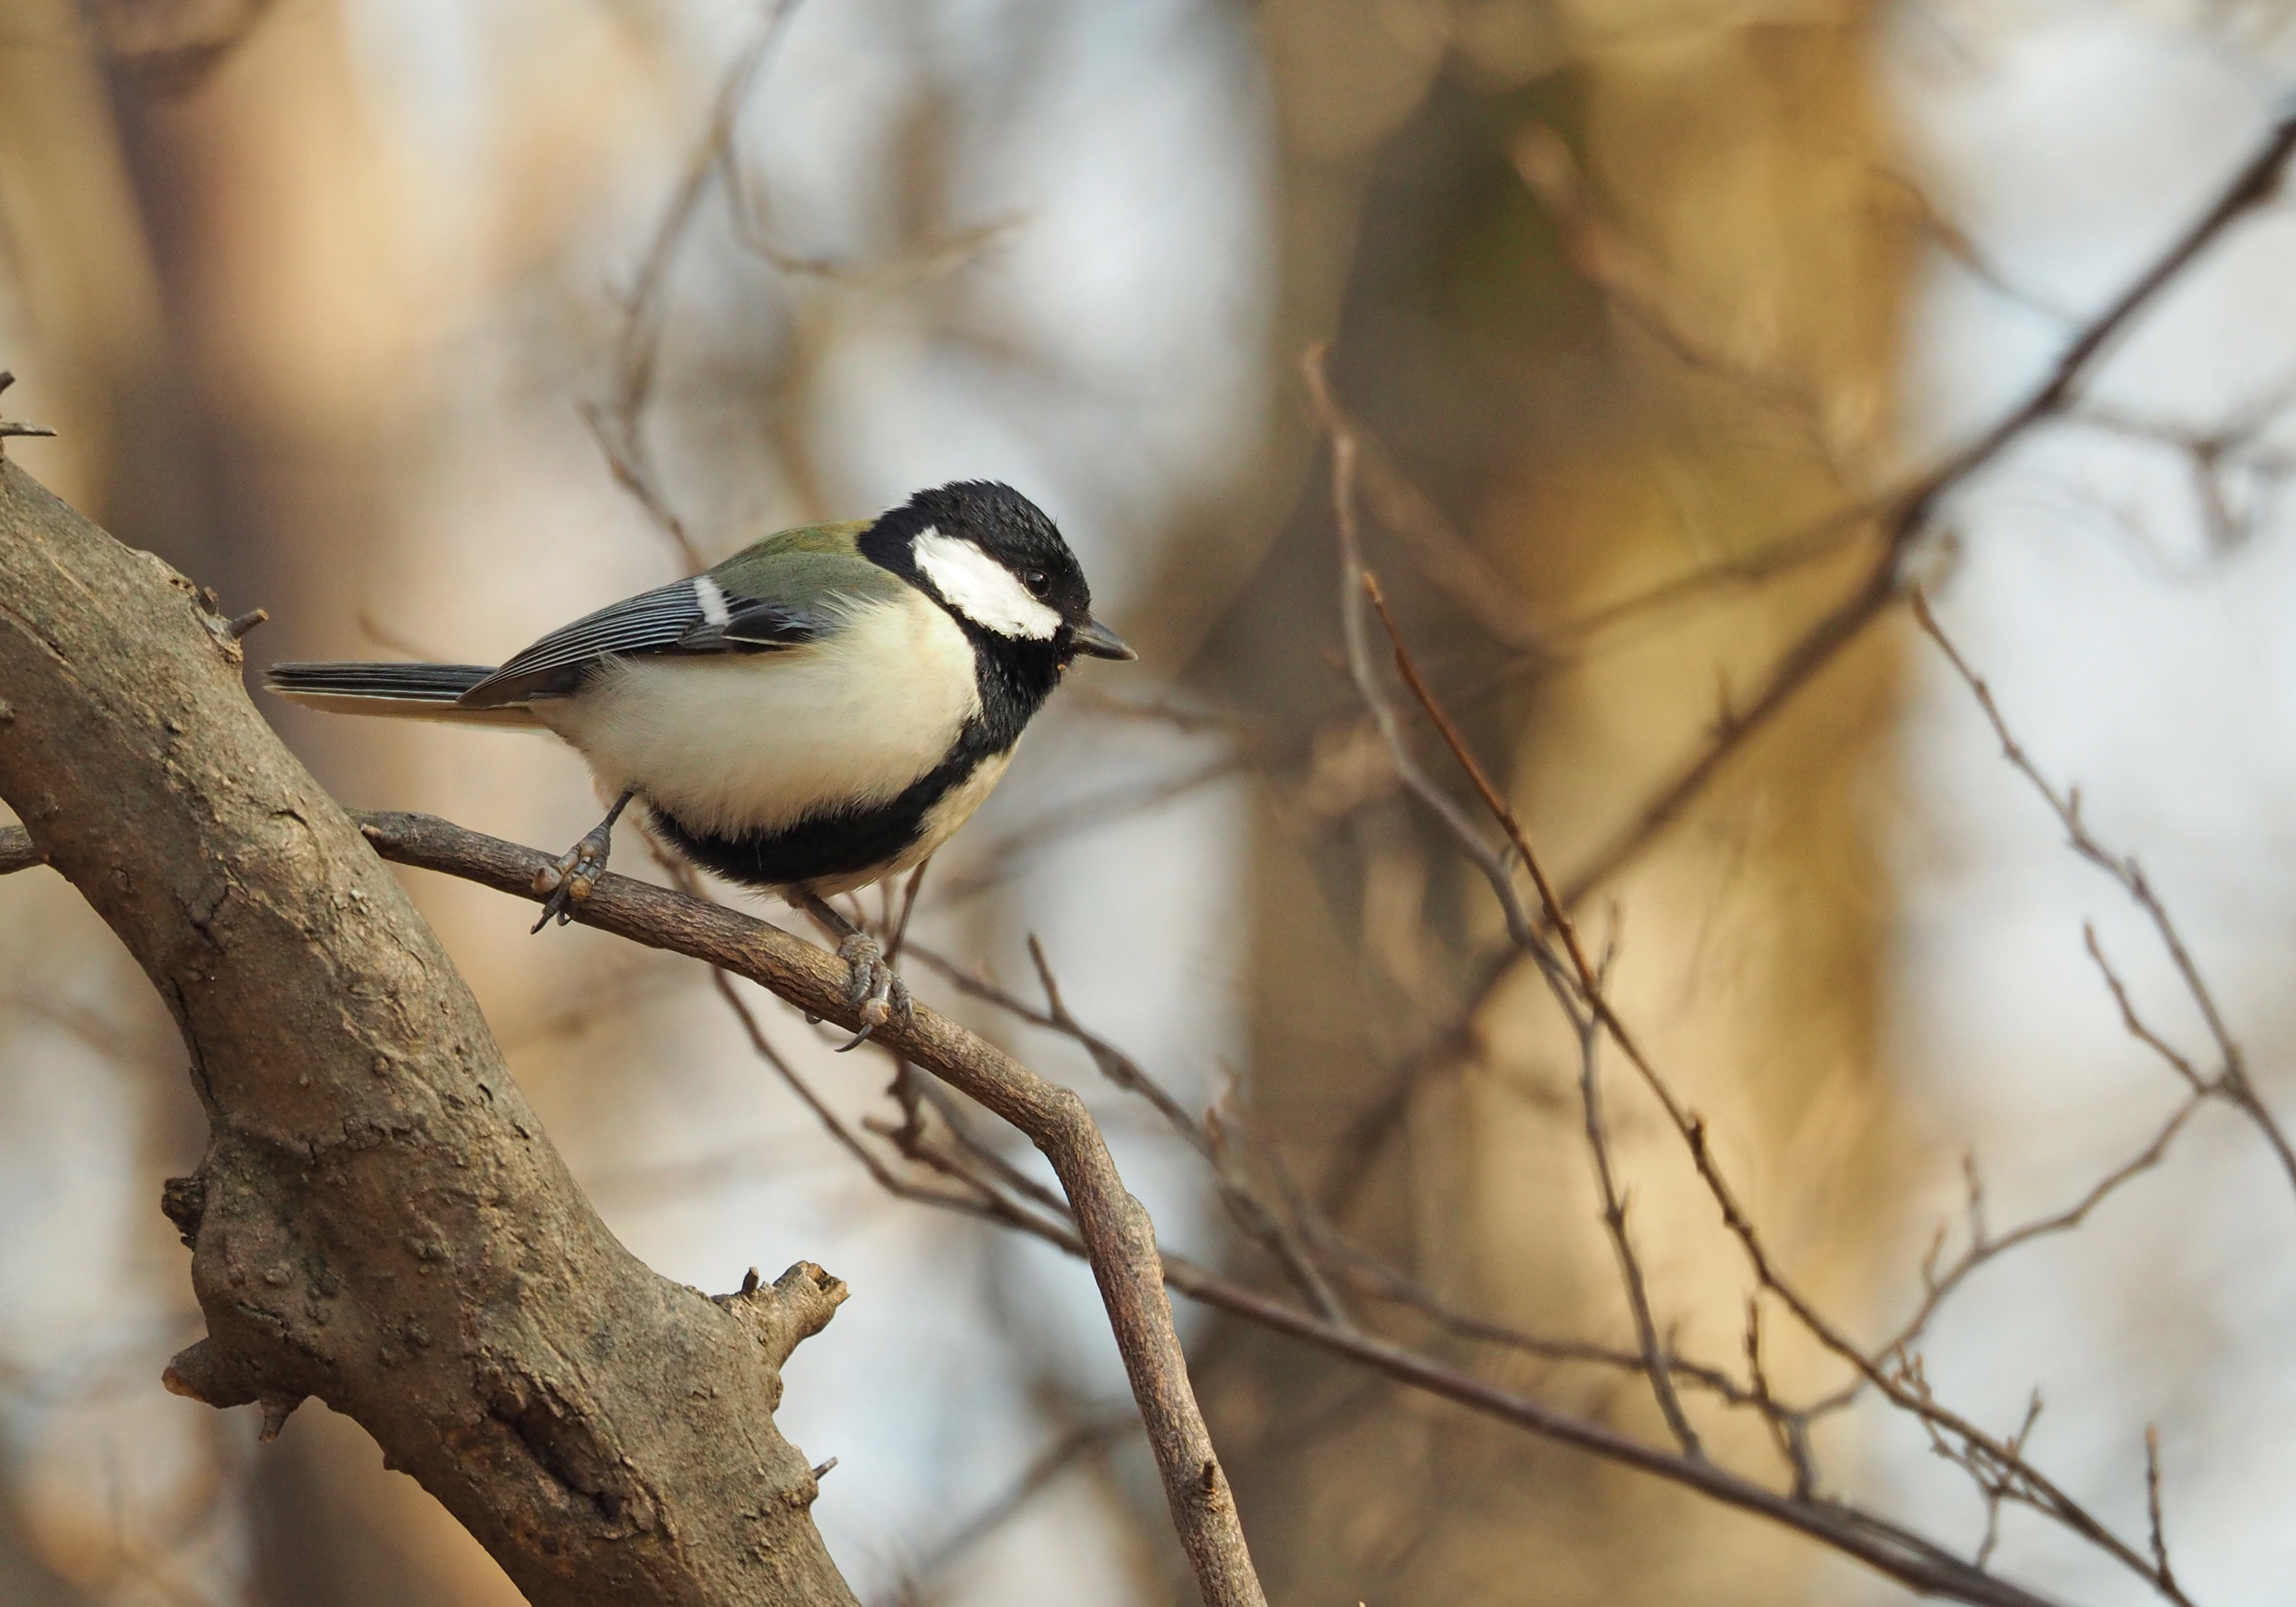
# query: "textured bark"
(1113, 1230)
(379, 1220)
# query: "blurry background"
(319, 293)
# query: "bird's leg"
(570, 880)
(874, 990)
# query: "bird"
(821, 710)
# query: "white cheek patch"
(982, 589)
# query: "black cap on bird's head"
(992, 559)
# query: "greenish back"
(807, 565)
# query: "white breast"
(742, 742)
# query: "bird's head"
(992, 559)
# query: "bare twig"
(2214, 453)
(2231, 1081)
(1581, 998)
(813, 981)
(908, 907)
(1377, 1280)
(1615, 1223)
(1356, 1267)
(1790, 1430)
(2152, 1503)
(1984, 1248)
(1442, 555)
(1994, 1484)
(1464, 830)
(619, 423)
(1264, 1221)
(1558, 914)
(1269, 1222)
(2134, 1023)
(847, 1138)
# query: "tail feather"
(420, 692)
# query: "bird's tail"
(406, 692)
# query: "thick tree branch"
(1117, 1235)
(379, 1220)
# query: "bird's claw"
(571, 878)
(873, 988)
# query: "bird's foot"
(571, 878)
(575, 874)
(873, 988)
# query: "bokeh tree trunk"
(1742, 159)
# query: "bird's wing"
(782, 593)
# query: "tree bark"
(379, 1220)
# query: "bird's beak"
(1094, 637)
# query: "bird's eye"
(1036, 580)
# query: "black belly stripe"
(833, 845)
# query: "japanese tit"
(820, 710)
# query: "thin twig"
(619, 423)
(1983, 1248)
(908, 907)
(1442, 555)
(1262, 1220)
(1112, 1062)
(2231, 1081)
(1357, 1266)
(1789, 1430)
(1558, 915)
(1615, 1223)
(1469, 837)
(2152, 1503)
(813, 981)
(1589, 1027)
(2134, 1023)
(1584, 993)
